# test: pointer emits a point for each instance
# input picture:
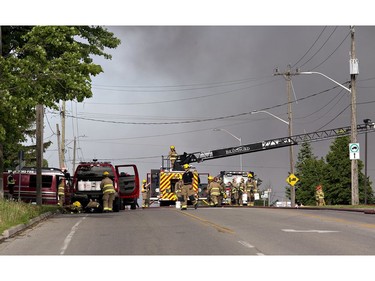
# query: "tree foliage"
(43, 65)
(333, 173)
(310, 171)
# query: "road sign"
(292, 179)
(354, 151)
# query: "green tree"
(310, 172)
(338, 175)
(43, 65)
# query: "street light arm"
(239, 139)
(337, 83)
(273, 115)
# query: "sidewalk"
(18, 228)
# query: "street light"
(354, 166)
(269, 113)
(237, 138)
(292, 190)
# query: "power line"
(331, 53)
(201, 120)
(190, 98)
(316, 40)
(319, 48)
(185, 87)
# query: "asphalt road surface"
(205, 231)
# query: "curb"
(18, 228)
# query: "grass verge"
(13, 213)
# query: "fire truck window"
(93, 173)
(46, 181)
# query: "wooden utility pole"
(1, 145)
(59, 145)
(287, 75)
(74, 154)
(62, 162)
(39, 152)
(353, 73)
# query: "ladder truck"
(197, 157)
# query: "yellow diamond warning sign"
(292, 179)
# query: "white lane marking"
(69, 237)
(309, 231)
(244, 243)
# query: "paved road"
(205, 231)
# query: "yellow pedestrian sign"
(292, 179)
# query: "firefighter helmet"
(106, 173)
(186, 166)
(172, 146)
(249, 175)
(77, 204)
(210, 178)
(144, 181)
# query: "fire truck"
(88, 176)
(228, 177)
(163, 181)
(25, 187)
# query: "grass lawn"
(13, 213)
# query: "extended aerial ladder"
(187, 158)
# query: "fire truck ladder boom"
(188, 158)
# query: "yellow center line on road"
(342, 221)
(214, 225)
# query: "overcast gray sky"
(164, 74)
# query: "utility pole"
(353, 73)
(74, 154)
(287, 75)
(62, 162)
(39, 152)
(59, 145)
(1, 145)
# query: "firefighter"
(235, 191)
(319, 196)
(223, 193)
(228, 191)
(172, 155)
(76, 207)
(92, 206)
(249, 188)
(187, 188)
(108, 192)
(214, 191)
(178, 188)
(11, 183)
(145, 194)
(241, 190)
(61, 192)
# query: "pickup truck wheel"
(133, 206)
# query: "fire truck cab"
(88, 176)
